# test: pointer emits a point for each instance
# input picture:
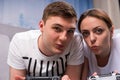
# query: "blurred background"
(28, 13)
(22, 15)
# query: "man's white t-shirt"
(24, 54)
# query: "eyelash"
(57, 29)
(97, 31)
(69, 32)
(85, 34)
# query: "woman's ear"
(112, 30)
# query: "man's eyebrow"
(72, 28)
(57, 25)
(63, 26)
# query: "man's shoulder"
(27, 34)
(77, 40)
(77, 33)
(77, 36)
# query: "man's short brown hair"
(59, 8)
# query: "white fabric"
(113, 63)
(24, 54)
(4, 68)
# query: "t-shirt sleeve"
(76, 53)
(14, 54)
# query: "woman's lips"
(94, 47)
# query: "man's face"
(57, 33)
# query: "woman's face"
(97, 35)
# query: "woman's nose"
(92, 38)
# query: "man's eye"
(85, 34)
(57, 29)
(71, 31)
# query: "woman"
(102, 47)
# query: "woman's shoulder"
(116, 37)
(116, 41)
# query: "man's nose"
(63, 36)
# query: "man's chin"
(59, 51)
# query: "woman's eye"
(85, 34)
(98, 31)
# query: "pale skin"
(57, 32)
(98, 37)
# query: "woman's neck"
(102, 60)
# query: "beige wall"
(112, 8)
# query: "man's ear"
(17, 77)
(41, 25)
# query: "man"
(53, 51)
